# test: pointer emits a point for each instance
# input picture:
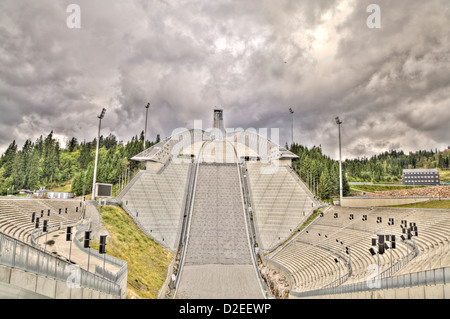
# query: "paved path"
(61, 247)
(219, 282)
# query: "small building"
(60, 195)
(413, 177)
(41, 192)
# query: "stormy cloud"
(254, 59)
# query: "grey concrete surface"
(8, 291)
(218, 262)
(217, 281)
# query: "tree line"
(388, 166)
(46, 163)
(321, 173)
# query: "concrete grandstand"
(40, 263)
(240, 210)
(218, 199)
(230, 206)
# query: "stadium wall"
(46, 287)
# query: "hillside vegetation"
(381, 188)
(436, 204)
(148, 261)
(321, 173)
(69, 168)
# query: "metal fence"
(122, 265)
(188, 211)
(19, 255)
(423, 278)
(251, 229)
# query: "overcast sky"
(255, 59)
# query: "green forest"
(388, 166)
(46, 163)
(319, 172)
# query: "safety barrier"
(19, 255)
(423, 278)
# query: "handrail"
(436, 276)
(144, 229)
(184, 239)
(23, 256)
(56, 226)
(336, 284)
(253, 215)
(161, 170)
(108, 258)
(250, 226)
(186, 204)
(305, 188)
(129, 185)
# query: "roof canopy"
(187, 143)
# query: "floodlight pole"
(100, 117)
(146, 115)
(339, 122)
(70, 250)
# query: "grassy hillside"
(444, 175)
(380, 188)
(147, 261)
(65, 187)
(438, 204)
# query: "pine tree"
(72, 144)
(33, 171)
(7, 160)
(325, 185)
(345, 185)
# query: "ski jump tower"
(218, 130)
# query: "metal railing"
(38, 232)
(129, 184)
(122, 265)
(55, 226)
(19, 255)
(250, 226)
(188, 211)
(315, 200)
(440, 276)
(385, 277)
(336, 284)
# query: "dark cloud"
(254, 59)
